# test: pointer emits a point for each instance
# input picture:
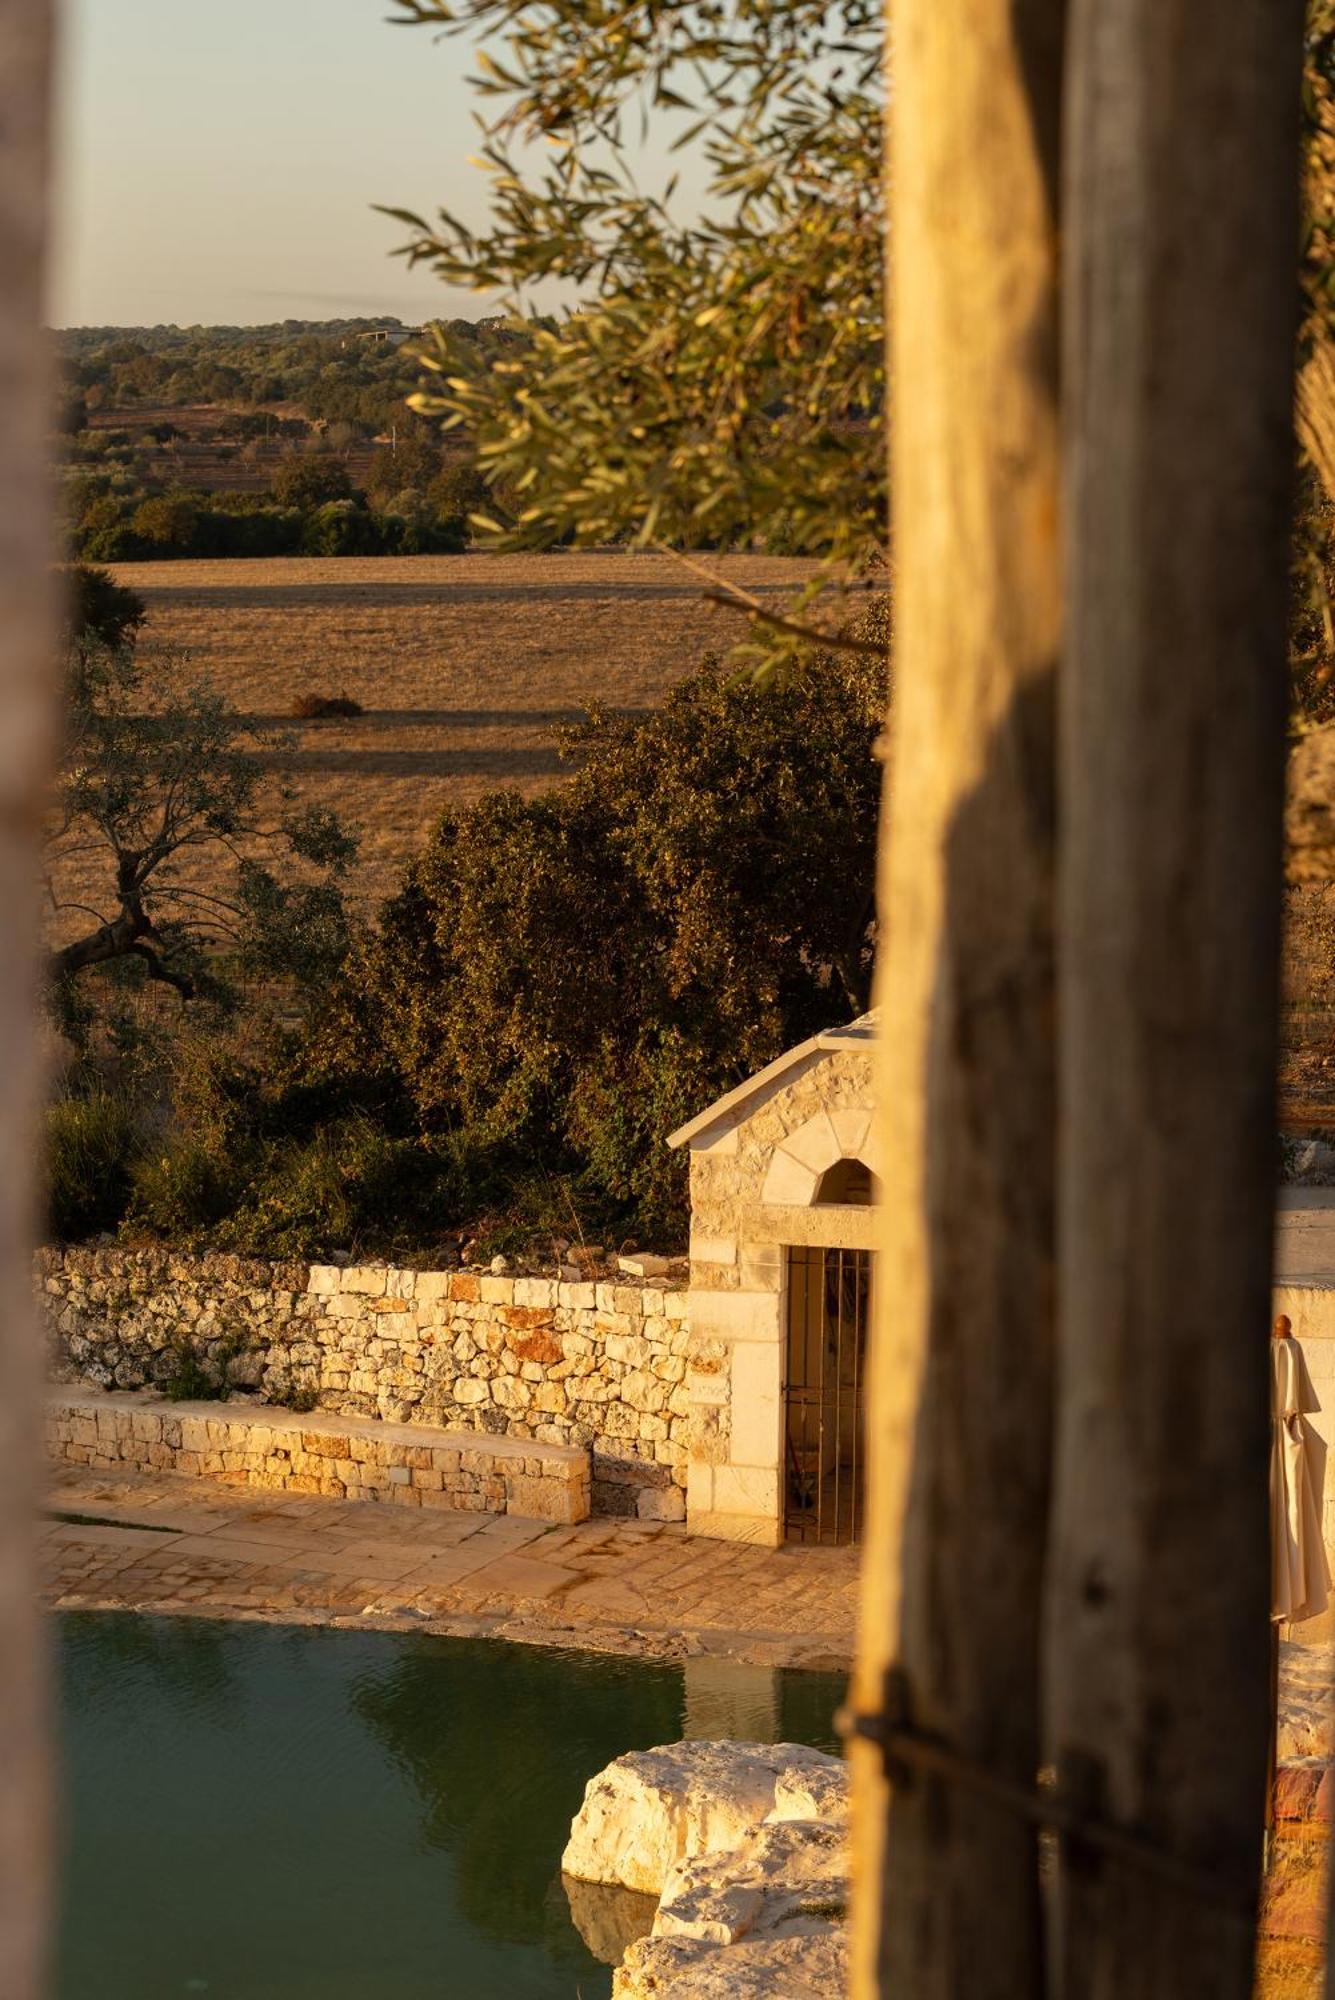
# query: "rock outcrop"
(746, 1845)
(653, 1808)
(769, 1968)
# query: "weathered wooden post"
(1180, 224)
(27, 683)
(959, 1412)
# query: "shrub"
(117, 545)
(563, 979)
(350, 1183)
(170, 521)
(191, 1382)
(460, 491)
(100, 610)
(92, 1144)
(341, 528)
(310, 482)
(181, 1191)
(315, 707)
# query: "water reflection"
(608, 1918)
(254, 1811)
(499, 1756)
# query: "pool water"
(254, 1811)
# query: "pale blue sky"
(218, 160)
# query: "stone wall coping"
(274, 1416)
(293, 1275)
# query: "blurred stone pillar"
(27, 685)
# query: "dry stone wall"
(600, 1366)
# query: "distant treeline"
(293, 439)
(414, 503)
(354, 372)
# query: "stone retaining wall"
(598, 1366)
(343, 1457)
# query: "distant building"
(389, 336)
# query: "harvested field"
(466, 666)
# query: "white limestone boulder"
(653, 1808)
(787, 1878)
(762, 1968)
(812, 1791)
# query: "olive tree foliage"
(166, 801)
(722, 376)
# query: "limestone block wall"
(599, 1366)
(341, 1457)
(753, 1174)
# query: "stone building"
(782, 1174)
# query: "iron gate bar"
(827, 1297)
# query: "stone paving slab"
(636, 1587)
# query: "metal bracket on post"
(1070, 1807)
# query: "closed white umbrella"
(1300, 1574)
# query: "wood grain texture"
(27, 690)
(959, 1409)
(1180, 201)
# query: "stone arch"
(849, 1183)
(805, 1157)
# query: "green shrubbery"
(564, 979)
(207, 526)
(93, 1142)
(558, 983)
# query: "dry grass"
(466, 666)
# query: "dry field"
(466, 665)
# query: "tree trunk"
(27, 688)
(959, 1410)
(1181, 218)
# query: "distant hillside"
(282, 440)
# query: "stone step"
(354, 1458)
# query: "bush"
(310, 482)
(92, 1145)
(342, 528)
(348, 1185)
(100, 610)
(563, 979)
(170, 521)
(315, 707)
(180, 1192)
(119, 544)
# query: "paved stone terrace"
(641, 1587)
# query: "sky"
(218, 161)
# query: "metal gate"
(828, 1292)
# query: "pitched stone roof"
(854, 1035)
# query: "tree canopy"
(724, 373)
(158, 776)
(563, 979)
